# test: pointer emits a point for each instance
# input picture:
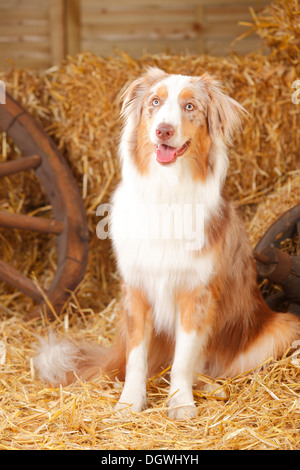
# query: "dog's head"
(176, 116)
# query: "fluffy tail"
(62, 361)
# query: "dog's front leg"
(192, 332)
(138, 331)
(181, 403)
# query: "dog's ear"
(133, 95)
(223, 113)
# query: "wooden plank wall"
(25, 32)
(39, 33)
(199, 26)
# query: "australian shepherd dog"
(190, 298)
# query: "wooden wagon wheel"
(69, 223)
(278, 266)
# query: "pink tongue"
(165, 154)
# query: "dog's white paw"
(130, 403)
(181, 407)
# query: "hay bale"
(274, 205)
(79, 104)
(279, 27)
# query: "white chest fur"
(157, 223)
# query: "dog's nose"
(164, 131)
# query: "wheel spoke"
(16, 279)
(14, 166)
(35, 224)
(69, 218)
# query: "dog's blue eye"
(189, 107)
(155, 102)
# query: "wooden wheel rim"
(63, 195)
(284, 227)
